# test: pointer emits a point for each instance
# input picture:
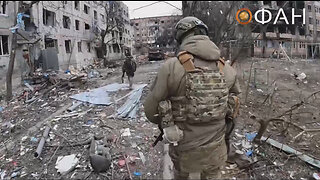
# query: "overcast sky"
(158, 9)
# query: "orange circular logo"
(244, 16)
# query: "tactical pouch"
(172, 133)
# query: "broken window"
(137, 24)
(89, 47)
(67, 44)
(116, 48)
(77, 24)
(79, 47)
(76, 5)
(86, 26)
(302, 31)
(86, 9)
(29, 25)
(310, 20)
(48, 42)
(3, 7)
(95, 15)
(162, 22)
(4, 46)
(66, 22)
(102, 18)
(110, 49)
(48, 18)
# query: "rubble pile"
(49, 131)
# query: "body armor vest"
(206, 94)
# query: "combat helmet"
(186, 25)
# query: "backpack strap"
(221, 64)
(186, 59)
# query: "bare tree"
(113, 21)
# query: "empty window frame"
(95, 15)
(86, 26)
(3, 8)
(48, 42)
(77, 23)
(66, 22)
(88, 47)
(86, 9)
(4, 45)
(48, 18)
(79, 46)
(102, 18)
(67, 44)
(77, 5)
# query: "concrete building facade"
(148, 31)
(69, 29)
(120, 38)
(298, 41)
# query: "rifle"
(159, 138)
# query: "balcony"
(285, 35)
(271, 35)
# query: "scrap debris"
(65, 164)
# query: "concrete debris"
(142, 157)
(125, 132)
(65, 164)
(301, 76)
(260, 90)
(93, 74)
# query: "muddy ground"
(270, 162)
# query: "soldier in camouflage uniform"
(191, 98)
(129, 67)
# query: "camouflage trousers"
(204, 162)
(229, 129)
(130, 78)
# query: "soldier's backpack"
(206, 93)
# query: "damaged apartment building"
(154, 32)
(59, 34)
(298, 40)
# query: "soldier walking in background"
(129, 67)
(191, 99)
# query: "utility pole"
(12, 55)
